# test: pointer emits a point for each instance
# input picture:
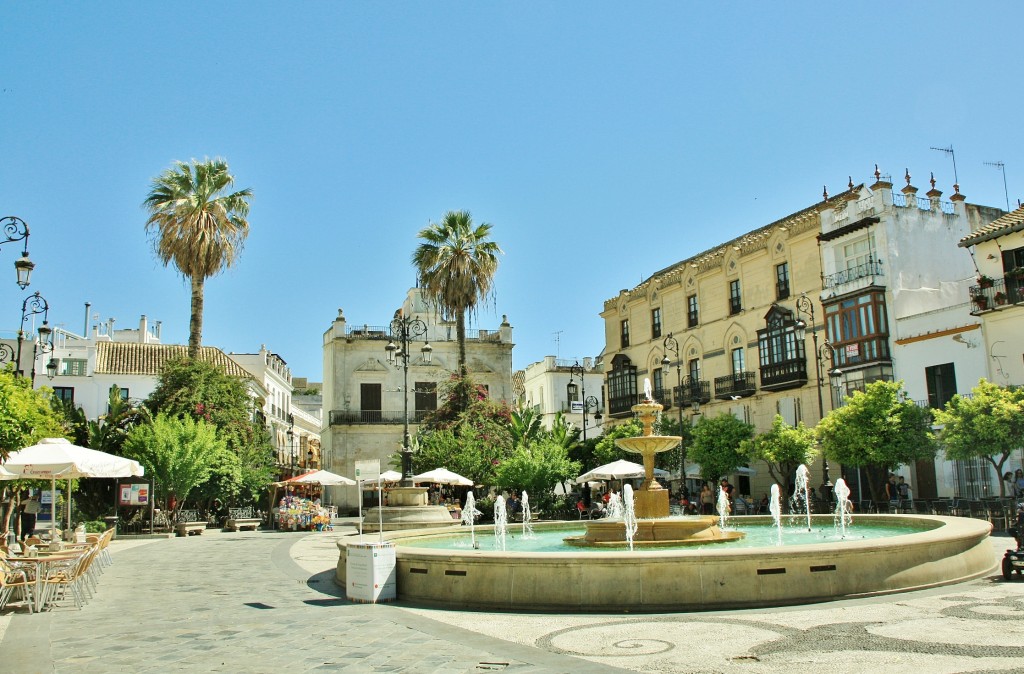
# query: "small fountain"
(723, 508)
(527, 517)
(802, 491)
(469, 515)
(652, 523)
(775, 508)
(614, 508)
(500, 523)
(844, 516)
(629, 514)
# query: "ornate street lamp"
(672, 344)
(403, 331)
(291, 443)
(805, 306)
(590, 403)
(34, 305)
(15, 229)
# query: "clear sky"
(603, 141)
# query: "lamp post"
(672, 344)
(590, 403)
(404, 330)
(291, 444)
(805, 306)
(15, 229)
(34, 305)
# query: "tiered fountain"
(654, 526)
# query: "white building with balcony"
(552, 386)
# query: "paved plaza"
(267, 602)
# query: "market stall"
(299, 508)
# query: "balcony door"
(370, 402)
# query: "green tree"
(989, 424)
(178, 452)
(526, 425)
(536, 467)
(201, 390)
(199, 225)
(26, 415)
(877, 430)
(716, 445)
(671, 460)
(783, 448)
(456, 263)
(606, 451)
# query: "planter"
(981, 303)
(1000, 298)
(985, 282)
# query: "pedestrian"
(891, 491)
(1018, 483)
(707, 500)
(903, 490)
(29, 508)
(1008, 488)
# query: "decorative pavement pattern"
(267, 602)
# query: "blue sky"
(603, 141)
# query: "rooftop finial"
(907, 175)
(932, 181)
(956, 188)
(878, 174)
(824, 192)
(850, 184)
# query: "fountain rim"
(948, 526)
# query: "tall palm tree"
(197, 224)
(456, 263)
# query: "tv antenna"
(949, 151)
(1002, 169)
(558, 341)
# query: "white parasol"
(443, 476)
(618, 470)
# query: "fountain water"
(844, 516)
(775, 508)
(723, 508)
(614, 509)
(500, 523)
(629, 514)
(469, 515)
(527, 517)
(802, 491)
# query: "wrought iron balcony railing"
(357, 417)
(736, 385)
(872, 267)
(784, 374)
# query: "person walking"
(707, 500)
(29, 509)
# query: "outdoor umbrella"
(618, 470)
(390, 476)
(58, 458)
(693, 471)
(321, 477)
(443, 476)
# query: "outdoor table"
(41, 560)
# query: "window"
(858, 329)
(426, 398)
(782, 281)
(693, 367)
(781, 355)
(621, 386)
(655, 323)
(658, 384)
(370, 403)
(856, 253)
(739, 363)
(735, 301)
(692, 312)
(624, 334)
(1013, 259)
(65, 394)
(73, 367)
(941, 380)
(123, 393)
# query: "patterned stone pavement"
(266, 602)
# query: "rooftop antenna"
(949, 151)
(558, 342)
(1002, 169)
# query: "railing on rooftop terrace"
(359, 417)
(383, 332)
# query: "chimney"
(143, 327)
(85, 330)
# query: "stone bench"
(242, 523)
(189, 528)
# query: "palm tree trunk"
(460, 336)
(195, 325)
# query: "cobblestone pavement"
(266, 602)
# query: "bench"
(240, 519)
(187, 523)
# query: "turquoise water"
(757, 536)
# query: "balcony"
(663, 396)
(691, 391)
(374, 417)
(784, 374)
(996, 294)
(736, 385)
(870, 268)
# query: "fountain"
(629, 515)
(527, 517)
(653, 526)
(775, 509)
(469, 515)
(844, 516)
(500, 523)
(801, 492)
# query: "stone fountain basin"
(649, 444)
(944, 550)
(670, 530)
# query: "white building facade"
(553, 386)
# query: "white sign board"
(367, 470)
(576, 407)
(370, 572)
